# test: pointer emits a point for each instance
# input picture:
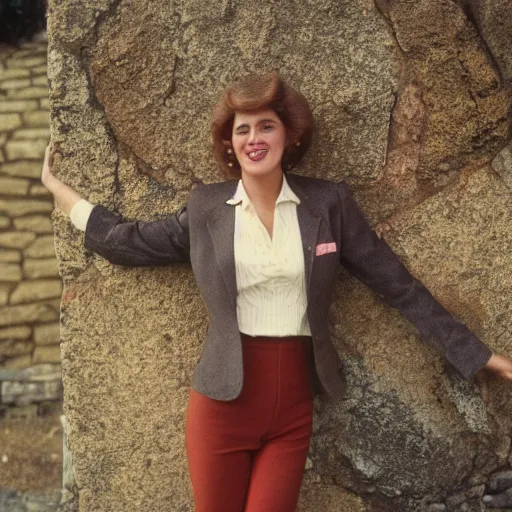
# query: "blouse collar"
(240, 195)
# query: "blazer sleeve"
(372, 261)
(138, 244)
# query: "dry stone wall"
(30, 287)
(412, 101)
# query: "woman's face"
(259, 139)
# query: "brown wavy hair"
(260, 92)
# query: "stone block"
(502, 164)
(4, 222)
(10, 121)
(17, 501)
(12, 315)
(23, 393)
(20, 332)
(40, 70)
(36, 118)
(25, 413)
(40, 80)
(18, 105)
(14, 348)
(23, 169)
(34, 223)
(36, 268)
(30, 51)
(501, 500)
(31, 291)
(27, 62)
(28, 93)
(15, 73)
(501, 481)
(14, 83)
(36, 373)
(44, 103)
(10, 272)
(47, 334)
(17, 363)
(18, 207)
(39, 190)
(32, 133)
(46, 354)
(20, 149)
(43, 247)
(5, 290)
(16, 240)
(14, 186)
(7, 256)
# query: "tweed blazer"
(334, 231)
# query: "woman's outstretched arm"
(154, 243)
(372, 261)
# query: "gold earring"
(230, 164)
(229, 151)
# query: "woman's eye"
(268, 127)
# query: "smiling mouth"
(257, 155)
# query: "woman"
(264, 250)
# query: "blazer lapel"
(221, 226)
(309, 224)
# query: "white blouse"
(270, 274)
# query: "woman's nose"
(254, 137)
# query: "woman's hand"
(65, 196)
(47, 178)
(500, 366)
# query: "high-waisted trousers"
(249, 454)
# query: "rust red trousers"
(248, 454)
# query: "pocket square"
(325, 248)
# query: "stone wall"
(30, 287)
(412, 105)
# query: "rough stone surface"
(410, 107)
